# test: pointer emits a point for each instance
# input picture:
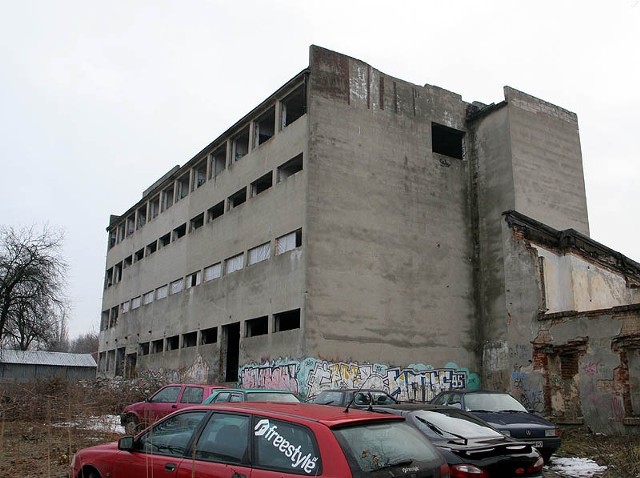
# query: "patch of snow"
(576, 467)
(105, 423)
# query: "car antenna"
(346, 410)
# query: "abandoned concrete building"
(355, 228)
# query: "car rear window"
(286, 447)
(373, 446)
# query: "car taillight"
(467, 471)
(444, 471)
(537, 466)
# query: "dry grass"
(619, 453)
(42, 424)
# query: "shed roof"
(31, 357)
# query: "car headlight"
(551, 432)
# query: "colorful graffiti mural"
(308, 377)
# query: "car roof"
(303, 412)
(353, 390)
(256, 390)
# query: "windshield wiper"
(440, 431)
(399, 462)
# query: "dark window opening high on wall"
(258, 326)
(219, 160)
(261, 184)
(209, 336)
(264, 126)
(294, 106)
(290, 168)
(238, 198)
(215, 211)
(287, 320)
(240, 144)
(447, 141)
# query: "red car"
(166, 400)
(267, 440)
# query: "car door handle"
(170, 467)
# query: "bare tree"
(84, 344)
(32, 301)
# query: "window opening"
(162, 292)
(108, 278)
(127, 262)
(143, 348)
(259, 253)
(237, 198)
(182, 186)
(117, 273)
(288, 242)
(154, 207)
(141, 216)
(293, 106)
(136, 302)
(151, 248)
(288, 320)
(167, 198)
(147, 298)
(113, 237)
(139, 255)
(447, 141)
(190, 340)
(209, 336)
(165, 240)
(264, 126)
(104, 320)
(125, 307)
(179, 231)
(120, 232)
(234, 263)
(290, 168)
(173, 342)
(261, 184)
(240, 144)
(130, 225)
(213, 272)
(197, 222)
(257, 326)
(113, 316)
(156, 346)
(219, 160)
(199, 174)
(176, 286)
(215, 211)
(194, 279)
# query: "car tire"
(90, 473)
(131, 425)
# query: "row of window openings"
(260, 253)
(291, 108)
(114, 275)
(283, 321)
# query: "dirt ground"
(33, 450)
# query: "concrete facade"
(348, 230)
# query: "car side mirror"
(125, 443)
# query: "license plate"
(537, 444)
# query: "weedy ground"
(42, 424)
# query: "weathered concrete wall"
(308, 376)
(389, 236)
(548, 178)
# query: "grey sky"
(100, 99)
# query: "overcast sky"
(100, 99)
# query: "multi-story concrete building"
(356, 228)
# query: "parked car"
(504, 412)
(250, 395)
(471, 447)
(264, 440)
(354, 397)
(162, 402)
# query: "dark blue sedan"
(507, 414)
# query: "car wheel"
(131, 425)
(89, 473)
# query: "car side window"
(225, 438)
(222, 397)
(382, 399)
(166, 395)
(192, 395)
(362, 399)
(236, 397)
(440, 399)
(171, 436)
(285, 447)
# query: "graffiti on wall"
(308, 377)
